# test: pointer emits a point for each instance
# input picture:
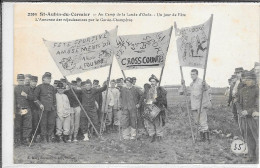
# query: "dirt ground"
(176, 147)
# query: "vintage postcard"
(131, 84)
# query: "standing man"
(23, 116)
(116, 107)
(156, 95)
(248, 107)
(33, 106)
(44, 96)
(88, 95)
(236, 89)
(196, 87)
(27, 79)
(99, 99)
(129, 99)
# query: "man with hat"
(88, 95)
(78, 80)
(248, 108)
(44, 96)
(119, 84)
(27, 79)
(23, 116)
(55, 83)
(129, 99)
(75, 111)
(98, 98)
(156, 95)
(196, 87)
(33, 106)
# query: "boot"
(70, 138)
(26, 141)
(153, 138)
(86, 137)
(58, 138)
(202, 137)
(65, 138)
(206, 134)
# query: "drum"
(151, 111)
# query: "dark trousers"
(92, 113)
(35, 119)
(23, 125)
(234, 111)
(48, 123)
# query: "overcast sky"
(234, 38)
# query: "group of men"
(243, 97)
(54, 113)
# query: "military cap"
(47, 74)
(74, 82)
(153, 77)
(249, 75)
(62, 80)
(78, 79)
(60, 86)
(28, 76)
(113, 80)
(239, 69)
(88, 81)
(233, 76)
(134, 78)
(56, 81)
(34, 78)
(20, 76)
(129, 79)
(96, 81)
(83, 83)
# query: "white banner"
(142, 51)
(77, 56)
(192, 45)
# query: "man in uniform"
(44, 96)
(129, 99)
(88, 95)
(78, 82)
(33, 106)
(23, 116)
(248, 108)
(98, 98)
(27, 79)
(156, 95)
(196, 87)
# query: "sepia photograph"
(131, 84)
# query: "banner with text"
(77, 56)
(192, 44)
(142, 51)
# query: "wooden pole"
(103, 112)
(161, 75)
(123, 73)
(187, 106)
(82, 107)
(205, 70)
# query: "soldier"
(88, 95)
(99, 99)
(27, 79)
(33, 106)
(155, 95)
(248, 106)
(44, 96)
(129, 99)
(75, 111)
(196, 88)
(23, 116)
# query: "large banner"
(192, 44)
(142, 51)
(81, 55)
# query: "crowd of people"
(243, 97)
(60, 112)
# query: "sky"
(234, 38)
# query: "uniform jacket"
(130, 97)
(31, 98)
(88, 96)
(45, 94)
(21, 101)
(72, 99)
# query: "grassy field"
(176, 147)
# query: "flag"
(143, 50)
(192, 44)
(77, 56)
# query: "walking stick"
(36, 128)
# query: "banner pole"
(123, 73)
(187, 106)
(103, 112)
(82, 106)
(161, 75)
(205, 70)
